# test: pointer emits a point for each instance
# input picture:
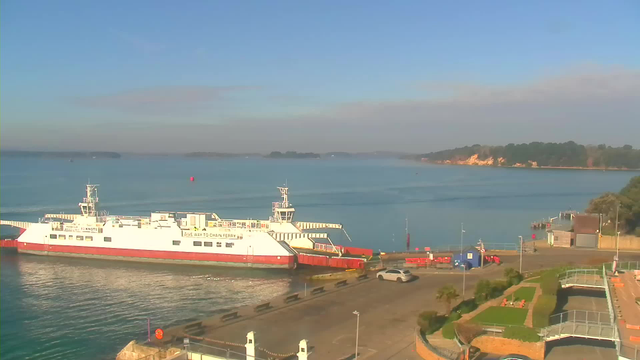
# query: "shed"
(470, 257)
(558, 238)
(586, 224)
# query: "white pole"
(464, 268)
(521, 243)
(357, 331)
(617, 232)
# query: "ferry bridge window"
(79, 238)
(197, 243)
(208, 244)
(53, 236)
(62, 237)
(229, 245)
(88, 238)
(218, 244)
(107, 239)
(176, 242)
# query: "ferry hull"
(155, 256)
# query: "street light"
(617, 232)
(357, 314)
(464, 268)
(521, 241)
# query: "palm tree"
(447, 294)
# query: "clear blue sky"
(135, 72)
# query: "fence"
(629, 351)
(581, 316)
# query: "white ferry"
(186, 237)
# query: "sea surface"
(55, 308)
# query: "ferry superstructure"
(185, 237)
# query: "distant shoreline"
(531, 167)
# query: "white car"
(399, 275)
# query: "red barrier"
(356, 251)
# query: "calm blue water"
(55, 308)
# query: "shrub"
(512, 276)
(454, 316)
(466, 306)
(549, 283)
(637, 232)
(521, 333)
(543, 309)
(430, 321)
(498, 287)
(448, 331)
(483, 291)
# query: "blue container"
(470, 258)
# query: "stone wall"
(627, 242)
(502, 346)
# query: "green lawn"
(525, 292)
(502, 315)
(535, 280)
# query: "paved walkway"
(626, 296)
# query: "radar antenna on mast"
(89, 206)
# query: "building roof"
(586, 224)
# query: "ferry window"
(53, 236)
(62, 237)
(197, 243)
(218, 244)
(79, 238)
(176, 242)
(208, 243)
(229, 244)
(107, 239)
(88, 238)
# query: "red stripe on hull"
(232, 260)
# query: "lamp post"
(464, 268)
(617, 232)
(521, 246)
(357, 314)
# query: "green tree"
(447, 294)
(512, 276)
(483, 291)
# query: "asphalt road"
(388, 311)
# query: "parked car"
(399, 275)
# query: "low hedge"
(465, 306)
(543, 309)
(521, 333)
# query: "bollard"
(303, 350)
(251, 345)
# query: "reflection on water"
(84, 308)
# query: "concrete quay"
(387, 310)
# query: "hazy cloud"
(159, 100)
(589, 105)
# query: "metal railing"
(611, 308)
(629, 351)
(581, 316)
(582, 277)
(580, 323)
(629, 265)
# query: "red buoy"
(192, 178)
